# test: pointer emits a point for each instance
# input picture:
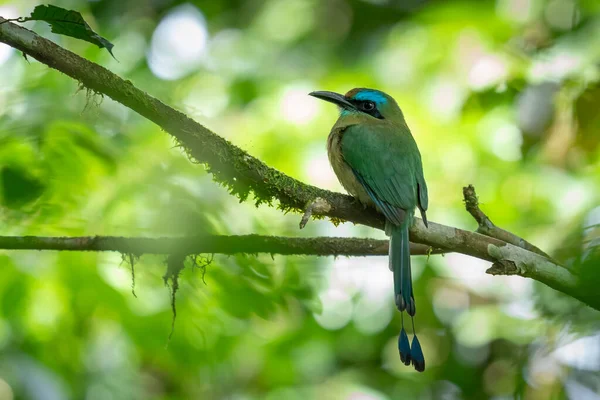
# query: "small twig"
(487, 227)
(318, 206)
(208, 261)
(205, 262)
(20, 19)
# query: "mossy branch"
(134, 247)
(244, 174)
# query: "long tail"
(403, 294)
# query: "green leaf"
(18, 187)
(69, 23)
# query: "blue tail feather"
(416, 355)
(400, 262)
(404, 347)
(403, 293)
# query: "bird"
(376, 159)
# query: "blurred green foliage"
(501, 94)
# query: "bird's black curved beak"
(332, 97)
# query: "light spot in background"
(233, 52)
(458, 160)
(514, 289)
(318, 171)
(469, 49)
(346, 278)
(592, 218)
(377, 2)
(178, 43)
(505, 142)
(314, 360)
(487, 71)
(554, 66)
(573, 199)
(522, 309)
(374, 308)
(449, 302)
(154, 298)
(500, 377)
(286, 393)
(112, 273)
(7, 12)
(373, 314)
(475, 327)
(471, 355)
(97, 391)
(285, 21)
(395, 66)
(501, 137)
(469, 271)
(5, 52)
(239, 215)
(337, 309)
(117, 274)
(37, 380)
(561, 14)
(583, 353)
(343, 275)
(135, 44)
(363, 393)
(207, 98)
(297, 107)
(578, 391)
(397, 63)
(444, 98)
(45, 310)
(109, 349)
(445, 390)
(516, 10)
(247, 356)
(6, 392)
(591, 231)
(543, 369)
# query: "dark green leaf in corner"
(18, 187)
(69, 23)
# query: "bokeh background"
(501, 94)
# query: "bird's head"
(362, 101)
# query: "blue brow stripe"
(371, 95)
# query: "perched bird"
(376, 159)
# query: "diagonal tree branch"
(487, 227)
(211, 244)
(243, 174)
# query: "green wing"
(422, 190)
(387, 162)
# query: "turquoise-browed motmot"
(376, 159)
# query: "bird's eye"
(368, 106)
